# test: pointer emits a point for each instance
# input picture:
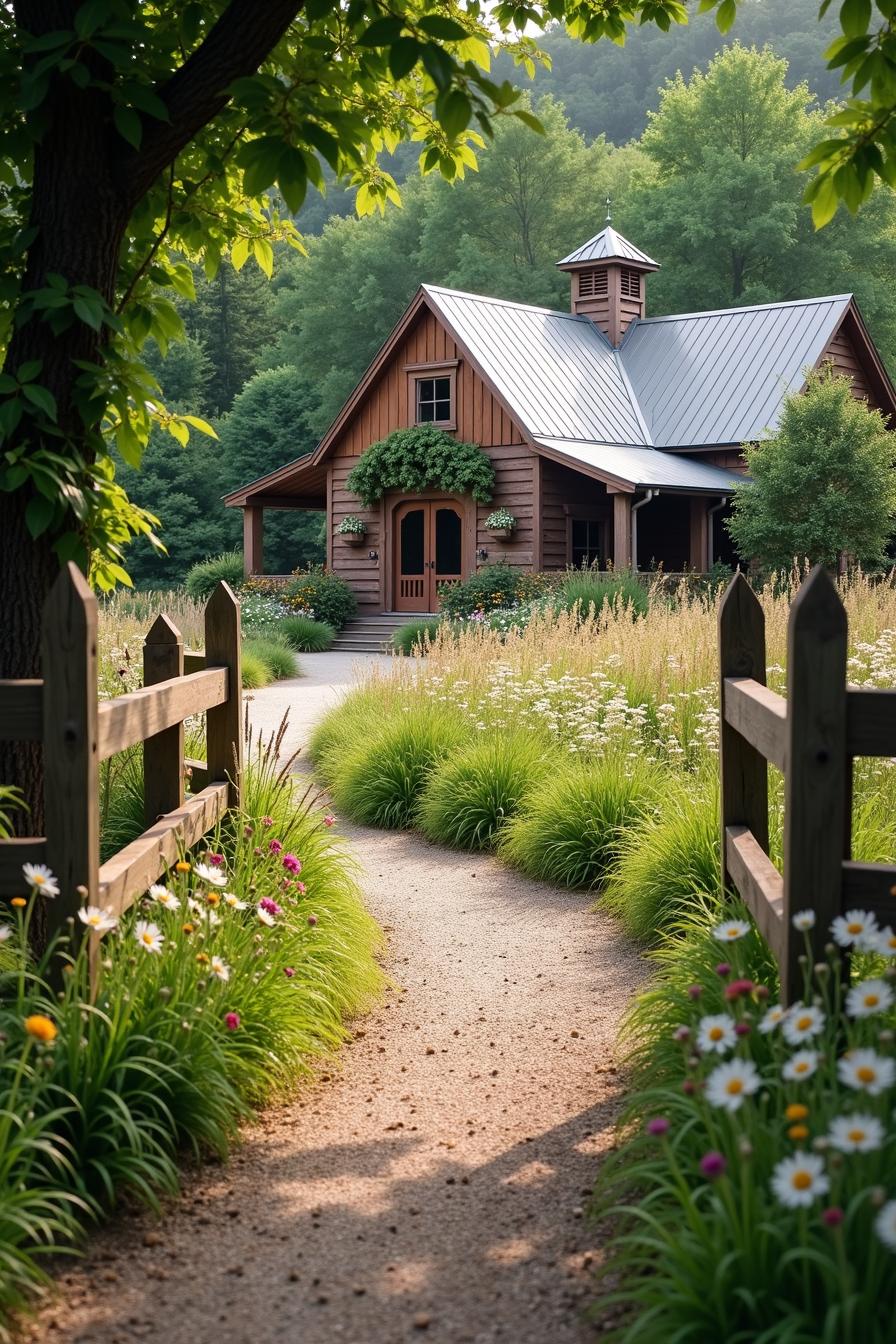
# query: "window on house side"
(433, 401)
(585, 542)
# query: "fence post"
(224, 727)
(815, 790)
(71, 783)
(743, 770)
(163, 754)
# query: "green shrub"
(256, 672)
(469, 797)
(378, 781)
(326, 596)
(571, 824)
(493, 586)
(307, 635)
(276, 655)
(415, 635)
(203, 577)
(353, 720)
(422, 458)
(593, 591)
(667, 863)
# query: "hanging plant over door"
(423, 458)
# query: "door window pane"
(448, 542)
(412, 556)
(585, 542)
(433, 400)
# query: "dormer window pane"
(433, 401)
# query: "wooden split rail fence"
(62, 711)
(812, 736)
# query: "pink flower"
(275, 846)
(742, 1029)
(329, 820)
(232, 1021)
(269, 906)
(761, 993)
(738, 989)
(267, 821)
(301, 888)
(723, 969)
(681, 1033)
(657, 1127)
(694, 991)
(216, 860)
(312, 920)
(833, 1216)
(292, 864)
(713, 1165)
(689, 1087)
(289, 972)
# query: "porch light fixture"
(482, 553)
(373, 555)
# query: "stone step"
(361, 646)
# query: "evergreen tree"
(232, 317)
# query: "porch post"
(622, 531)
(253, 540)
(700, 559)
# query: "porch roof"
(640, 468)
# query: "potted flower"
(352, 530)
(500, 524)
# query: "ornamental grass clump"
(470, 796)
(755, 1195)
(275, 653)
(572, 822)
(416, 636)
(307, 635)
(379, 780)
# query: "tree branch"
(236, 46)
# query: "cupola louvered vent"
(630, 283)
(592, 284)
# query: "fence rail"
(78, 731)
(812, 736)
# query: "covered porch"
(283, 490)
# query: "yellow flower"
(202, 958)
(182, 866)
(797, 1132)
(796, 1111)
(41, 1028)
(187, 928)
(212, 898)
(18, 902)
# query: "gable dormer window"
(592, 284)
(432, 394)
(630, 283)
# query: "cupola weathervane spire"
(608, 211)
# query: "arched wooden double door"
(428, 552)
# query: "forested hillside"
(699, 164)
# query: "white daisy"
(265, 917)
(41, 879)
(5, 932)
(885, 1225)
(854, 927)
(95, 918)
(866, 1071)
(220, 970)
(856, 1133)
(716, 1033)
(162, 896)
(233, 901)
(772, 1018)
(731, 930)
(804, 920)
(213, 877)
(798, 1180)
(730, 1083)
(801, 1064)
(884, 942)
(868, 998)
(801, 1023)
(149, 936)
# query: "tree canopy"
(823, 486)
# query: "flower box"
(501, 533)
(354, 538)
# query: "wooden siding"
(480, 417)
(731, 459)
(566, 494)
(353, 563)
(515, 468)
(842, 353)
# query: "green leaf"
(39, 514)
(89, 311)
(530, 120)
(202, 425)
(42, 398)
(59, 37)
(453, 111)
(403, 56)
(726, 15)
(239, 253)
(855, 16)
(292, 178)
(442, 28)
(264, 255)
(261, 161)
(381, 33)
(128, 125)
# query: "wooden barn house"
(616, 438)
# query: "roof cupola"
(607, 275)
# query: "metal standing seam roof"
(558, 372)
(645, 467)
(607, 245)
(721, 377)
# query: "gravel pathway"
(430, 1183)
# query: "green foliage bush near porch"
(418, 459)
(326, 596)
(203, 578)
(188, 1032)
